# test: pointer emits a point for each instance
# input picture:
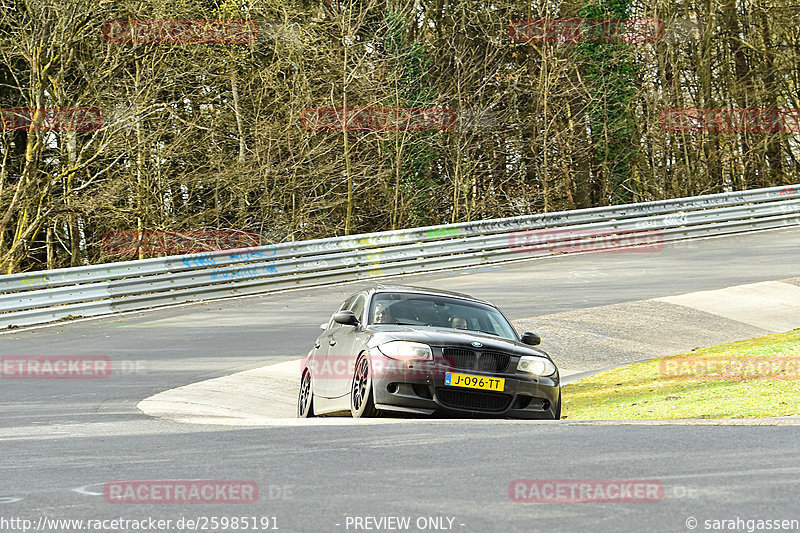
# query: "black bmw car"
(426, 352)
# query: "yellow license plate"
(473, 382)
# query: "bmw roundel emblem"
(476, 344)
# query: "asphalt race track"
(62, 440)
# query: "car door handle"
(332, 342)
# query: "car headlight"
(406, 350)
(538, 366)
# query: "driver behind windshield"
(458, 322)
(381, 315)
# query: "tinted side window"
(347, 303)
(358, 307)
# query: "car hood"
(448, 337)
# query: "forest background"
(216, 135)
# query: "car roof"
(427, 291)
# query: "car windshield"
(438, 311)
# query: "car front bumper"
(421, 389)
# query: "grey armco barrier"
(45, 296)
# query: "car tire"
(362, 399)
(305, 398)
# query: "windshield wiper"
(489, 332)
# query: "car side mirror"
(531, 338)
(347, 318)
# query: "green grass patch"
(747, 379)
